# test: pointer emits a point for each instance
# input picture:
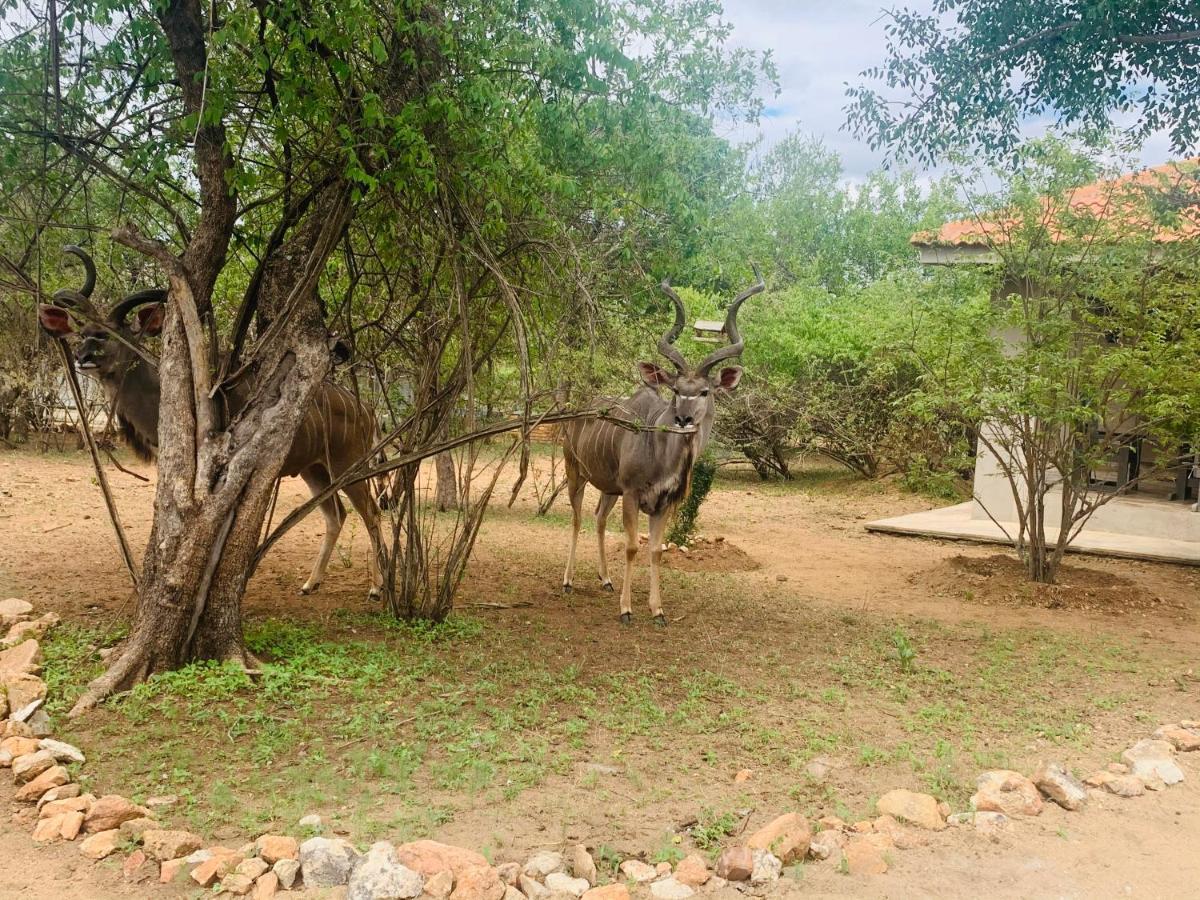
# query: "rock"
(1117, 768)
(19, 746)
(72, 824)
(767, 867)
(1011, 793)
(63, 792)
(441, 884)
(511, 893)
(164, 844)
(1148, 759)
(861, 856)
(430, 857)
(48, 829)
(13, 728)
(1185, 740)
(908, 806)
(636, 870)
(23, 631)
(194, 859)
(735, 864)
(110, 811)
(220, 863)
(616, 891)
(132, 867)
(863, 826)
(133, 829)
(532, 888)
(13, 610)
(170, 869)
(904, 838)
(101, 844)
(670, 889)
(477, 883)
(562, 883)
(274, 847)
(1060, 786)
(983, 822)
(662, 868)
(582, 864)
(238, 885)
(51, 778)
(162, 800)
(1125, 785)
(23, 659)
(692, 871)
(312, 820)
(39, 722)
(543, 863)
(826, 844)
(29, 766)
(743, 775)
(6, 757)
(54, 807)
(287, 870)
(509, 872)
(61, 751)
(818, 769)
(266, 886)
(326, 862)
(787, 837)
(379, 875)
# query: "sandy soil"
(797, 554)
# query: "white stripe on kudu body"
(648, 466)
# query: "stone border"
(56, 809)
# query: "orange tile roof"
(1106, 199)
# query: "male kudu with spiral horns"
(647, 464)
(336, 432)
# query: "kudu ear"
(54, 320)
(728, 378)
(655, 376)
(150, 319)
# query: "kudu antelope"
(649, 467)
(336, 432)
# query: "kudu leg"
(575, 488)
(364, 505)
(658, 527)
(629, 518)
(603, 508)
(335, 515)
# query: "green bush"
(684, 525)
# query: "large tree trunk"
(447, 482)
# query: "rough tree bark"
(447, 482)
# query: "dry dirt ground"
(536, 720)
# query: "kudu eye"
(704, 392)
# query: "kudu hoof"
(607, 586)
(567, 589)
(660, 621)
(306, 590)
(626, 618)
(374, 594)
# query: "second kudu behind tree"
(648, 463)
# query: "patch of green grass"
(711, 829)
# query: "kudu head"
(692, 388)
(104, 349)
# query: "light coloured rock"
(274, 847)
(23, 659)
(31, 765)
(767, 867)
(670, 889)
(48, 829)
(161, 801)
(62, 751)
(692, 870)
(509, 872)
(532, 888)
(743, 775)
(904, 838)
(615, 891)
(326, 862)
(72, 824)
(1151, 759)
(13, 610)
(221, 862)
(135, 868)
(543, 863)
(110, 811)
(862, 856)
(908, 806)
(786, 836)
(511, 893)
(562, 883)
(35, 789)
(287, 870)
(430, 857)
(1061, 786)
(441, 884)
(6, 756)
(101, 844)
(1125, 785)
(19, 746)
(194, 859)
(477, 883)
(13, 728)
(312, 820)
(1185, 740)
(735, 864)
(24, 631)
(266, 886)
(379, 875)
(170, 869)
(1002, 790)
(662, 868)
(826, 844)
(237, 885)
(252, 867)
(62, 792)
(133, 829)
(68, 804)
(164, 844)
(582, 864)
(984, 822)
(636, 870)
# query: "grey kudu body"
(649, 468)
(337, 430)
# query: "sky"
(819, 46)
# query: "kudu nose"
(683, 421)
